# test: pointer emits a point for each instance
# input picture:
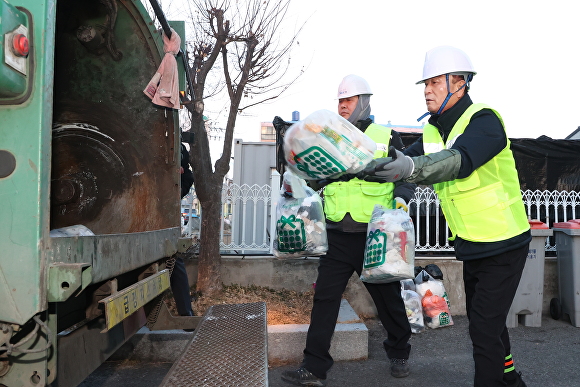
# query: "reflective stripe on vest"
(358, 197)
(487, 205)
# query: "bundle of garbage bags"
(325, 145)
(426, 301)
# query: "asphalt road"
(547, 356)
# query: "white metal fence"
(246, 229)
(432, 232)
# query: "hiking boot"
(302, 377)
(399, 368)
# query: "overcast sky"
(525, 53)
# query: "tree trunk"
(256, 60)
(209, 262)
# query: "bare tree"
(236, 52)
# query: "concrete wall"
(300, 274)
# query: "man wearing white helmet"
(465, 153)
(348, 205)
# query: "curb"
(285, 342)
(349, 342)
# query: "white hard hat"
(352, 85)
(446, 60)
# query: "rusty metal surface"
(114, 163)
(229, 349)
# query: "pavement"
(547, 356)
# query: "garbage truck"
(89, 185)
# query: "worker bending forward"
(348, 206)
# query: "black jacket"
(483, 138)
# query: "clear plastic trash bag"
(300, 223)
(390, 248)
(325, 145)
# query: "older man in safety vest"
(465, 153)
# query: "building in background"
(268, 133)
(404, 128)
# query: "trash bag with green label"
(434, 299)
(325, 145)
(300, 229)
(390, 248)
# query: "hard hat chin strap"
(423, 116)
(449, 94)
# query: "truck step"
(229, 348)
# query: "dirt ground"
(283, 306)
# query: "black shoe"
(302, 377)
(399, 368)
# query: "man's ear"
(459, 84)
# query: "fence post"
(274, 195)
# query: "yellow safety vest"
(358, 196)
(487, 205)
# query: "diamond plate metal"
(229, 349)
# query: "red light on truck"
(20, 45)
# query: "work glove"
(400, 203)
(388, 169)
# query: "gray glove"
(388, 169)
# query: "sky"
(525, 53)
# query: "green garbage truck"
(89, 185)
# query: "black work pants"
(490, 286)
(345, 256)
(180, 288)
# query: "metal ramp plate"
(229, 349)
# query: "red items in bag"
(435, 310)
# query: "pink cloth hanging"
(163, 88)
